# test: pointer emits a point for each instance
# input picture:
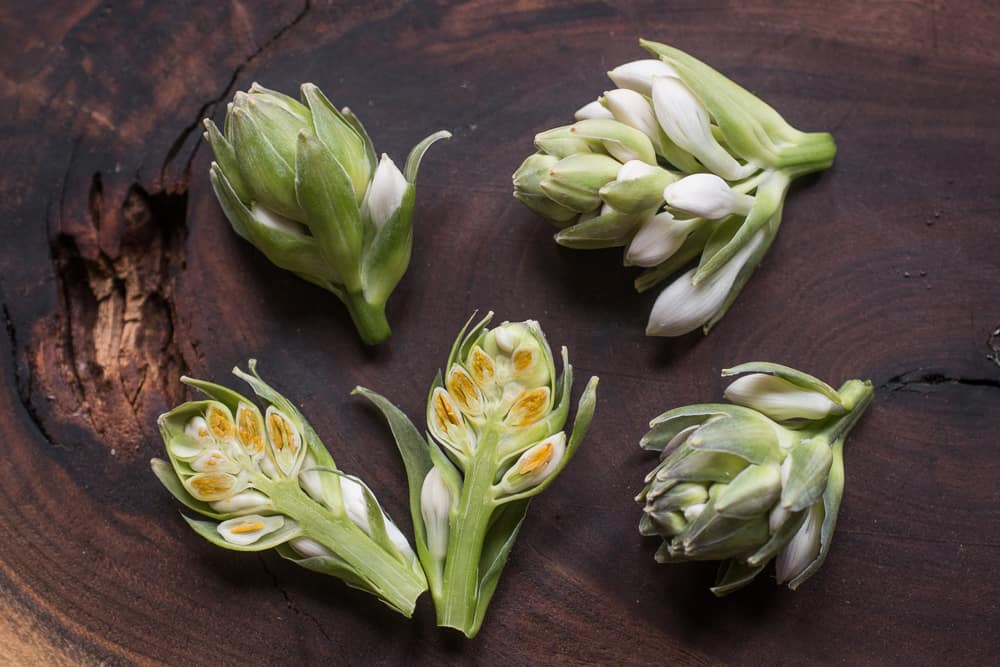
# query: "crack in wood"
(288, 599)
(920, 377)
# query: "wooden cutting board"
(118, 273)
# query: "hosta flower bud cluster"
(496, 419)
(266, 481)
(676, 164)
(752, 481)
(300, 181)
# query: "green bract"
(748, 483)
(496, 419)
(265, 480)
(677, 164)
(301, 182)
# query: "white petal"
(683, 307)
(197, 428)
(803, 548)
(398, 539)
(631, 108)
(638, 74)
(692, 512)
(780, 399)
(309, 548)
(593, 110)
(634, 169)
(385, 192)
(277, 222)
(707, 196)
(435, 505)
(657, 240)
(310, 480)
(355, 504)
(246, 530)
(685, 121)
(213, 460)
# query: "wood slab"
(118, 273)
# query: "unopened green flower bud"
(575, 181)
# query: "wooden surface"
(119, 273)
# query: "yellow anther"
(220, 422)
(248, 430)
(247, 528)
(464, 391)
(211, 486)
(523, 359)
(444, 412)
(535, 460)
(481, 365)
(529, 407)
(282, 432)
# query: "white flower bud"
(435, 506)
(803, 548)
(683, 307)
(686, 123)
(243, 501)
(692, 512)
(309, 548)
(657, 240)
(707, 196)
(355, 504)
(311, 480)
(631, 108)
(385, 192)
(638, 74)
(592, 110)
(780, 399)
(245, 530)
(634, 169)
(197, 428)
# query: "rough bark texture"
(118, 273)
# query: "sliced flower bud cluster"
(755, 481)
(264, 480)
(300, 180)
(680, 166)
(496, 420)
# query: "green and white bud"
(299, 181)
(706, 196)
(685, 121)
(575, 181)
(658, 239)
(733, 486)
(620, 140)
(435, 508)
(308, 548)
(245, 530)
(629, 107)
(242, 502)
(592, 110)
(780, 399)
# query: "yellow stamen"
(535, 460)
(282, 432)
(529, 407)
(248, 430)
(523, 359)
(481, 365)
(444, 412)
(247, 528)
(220, 422)
(463, 390)
(212, 486)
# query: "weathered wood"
(118, 273)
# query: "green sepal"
(690, 465)
(387, 256)
(609, 131)
(562, 142)
(331, 211)
(638, 194)
(505, 524)
(355, 122)
(207, 529)
(734, 575)
(668, 553)
(678, 497)
(465, 341)
(798, 378)
(345, 144)
(785, 532)
(225, 156)
(715, 537)
(752, 439)
(664, 524)
(262, 168)
(754, 491)
(417, 154)
(610, 230)
(575, 180)
(546, 208)
(809, 465)
(332, 566)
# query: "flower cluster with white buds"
(676, 164)
(758, 480)
(496, 420)
(265, 480)
(300, 181)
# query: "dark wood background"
(119, 274)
